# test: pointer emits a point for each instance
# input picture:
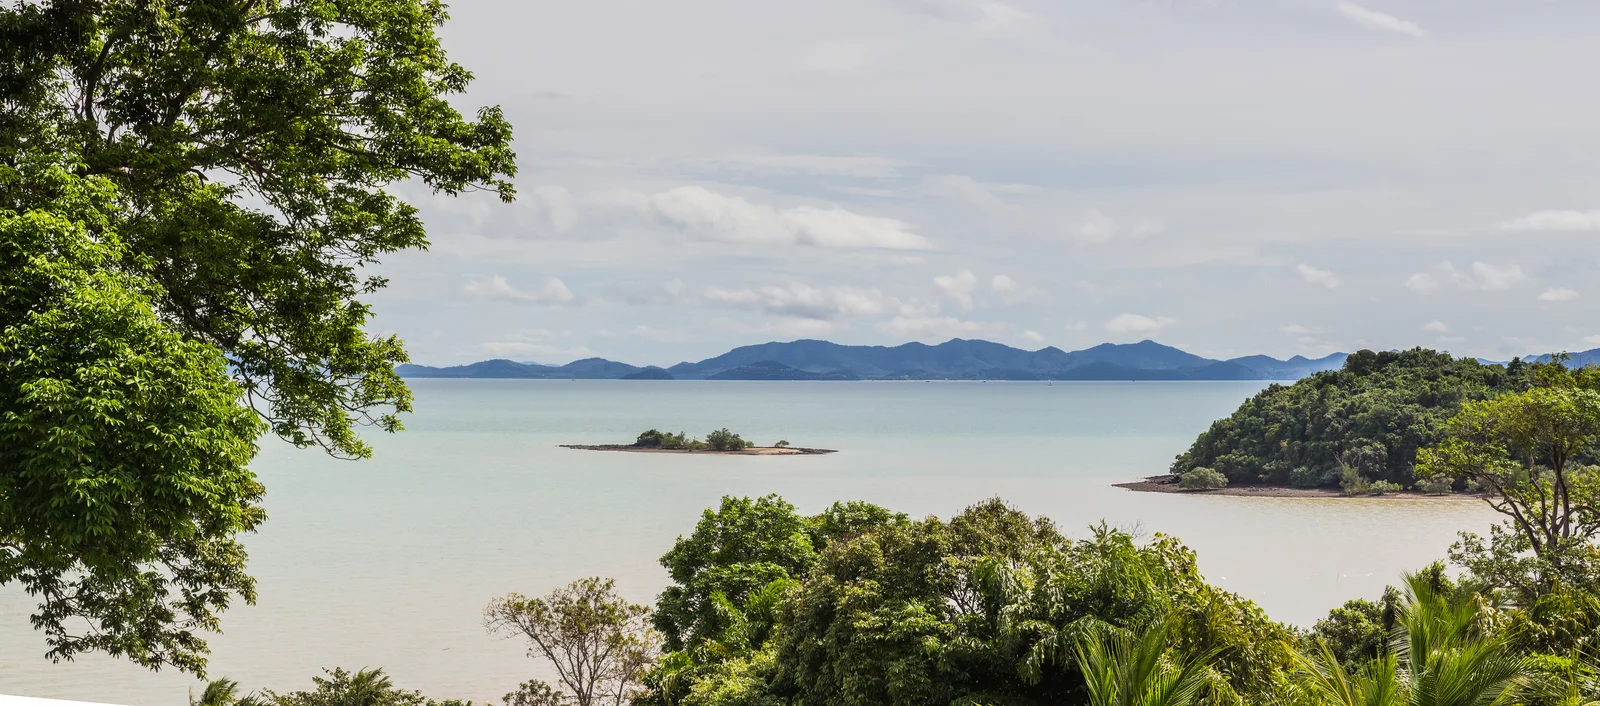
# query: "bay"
(388, 562)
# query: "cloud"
(1098, 228)
(987, 17)
(958, 286)
(558, 206)
(1298, 330)
(1034, 336)
(1422, 283)
(554, 292)
(1013, 292)
(731, 219)
(1592, 340)
(1134, 323)
(1497, 278)
(853, 166)
(962, 188)
(842, 56)
(1381, 21)
(1560, 294)
(806, 302)
(1481, 276)
(1320, 277)
(1555, 220)
(938, 327)
(1436, 326)
(537, 344)
(1076, 326)
(783, 328)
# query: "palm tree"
(1122, 667)
(224, 692)
(1442, 653)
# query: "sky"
(1231, 177)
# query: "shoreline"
(752, 451)
(1168, 483)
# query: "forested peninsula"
(1358, 428)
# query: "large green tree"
(190, 192)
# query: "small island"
(720, 441)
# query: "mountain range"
(956, 359)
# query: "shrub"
(1352, 483)
(1308, 477)
(1202, 479)
(1437, 485)
(1382, 487)
(651, 439)
(782, 443)
(724, 440)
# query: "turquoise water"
(389, 562)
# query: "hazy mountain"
(956, 359)
(773, 370)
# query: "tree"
(1123, 667)
(224, 692)
(599, 643)
(123, 448)
(1524, 450)
(724, 440)
(368, 687)
(1443, 652)
(1202, 479)
(226, 167)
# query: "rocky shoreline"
(752, 451)
(1168, 483)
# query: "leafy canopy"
(189, 194)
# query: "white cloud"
(806, 302)
(554, 292)
(1422, 283)
(1134, 323)
(1497, 277)
(1592, 340)
(1034, 336)
(1558, 294)
(558, 206)
(958, 286)
(1013, 292)
(1319, 277)
(537, 344)
(1436, 326)
(1555, 220)
(1481, 276)
(1298, 330)
(853, 166)
(731, 219)
(962, 188)
(842, 56)
(938, 327)
(1076, 326)
(782, 328)
(1098, 228)
(1381, 21)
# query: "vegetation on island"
(191, 197)
(1353, 427)
(717, 440)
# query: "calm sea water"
(389, 562)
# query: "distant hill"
(773, 370)
(956, 359)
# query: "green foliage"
(189, 195)
(1202, 478)
(598, 642)
(724, 440)
(1383, 487)
(123, 445)
(1445, 651)
(1358, 631)
(1123, 667)
(988, 608)
(368, 687)
(224, 692)
(782, 444)
(650, 439)
(1527, 452)
(1371, 416)
(1438, 485)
